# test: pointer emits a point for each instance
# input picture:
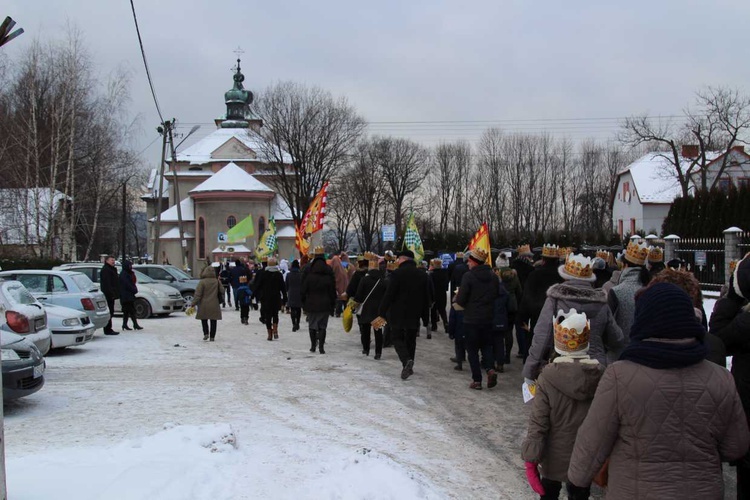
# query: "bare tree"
(341, 210)
(368, 188)
(312, 130)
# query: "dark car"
(23, 366)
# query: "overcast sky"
(523, 65)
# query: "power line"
(145, 63)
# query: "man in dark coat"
(456, 271)
(238, 270)
(523, 263)
(476, 296)
(110, 286)
(294, 294)
(406, 302)
(369, 294)
(440, 283)
(535, 295)
(318, 298)
(270, 287)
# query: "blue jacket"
(243, 294)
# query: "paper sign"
(528, 392)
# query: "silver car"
(68, 326)
(65, 288)
(152, 299)
(22, 314)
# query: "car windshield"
(18, 294)
(179, 273)
(83, 282)
(142, 278)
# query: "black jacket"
(294, 288)
(351, 289)
(371, 305)
(524, 268)
(500, 311)
(457, 273)
(271, 289)
(477, 293)
(235, 272)
(407, 298)
(535, 292)
(109, 282)
(127, 286)
(440, 282)
(730, 322)
(318, 287)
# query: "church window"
(261, 225)
(231, 221)
(201, 238)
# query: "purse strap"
(368, 295)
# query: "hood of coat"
(482, 273)
(208, 272)
(575, 378)
(319, 266)
(578, 291)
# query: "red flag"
(312, 222)
(482, 240)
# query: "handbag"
(358, 311)
(347, 318)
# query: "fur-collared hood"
(578, 291)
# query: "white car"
(69, 327)
(22, 314)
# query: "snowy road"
(302, 419)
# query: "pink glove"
(532, 476)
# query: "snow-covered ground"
(160, 414)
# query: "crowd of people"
(627, 376)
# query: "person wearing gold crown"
(564, 392)
(621, 297)
(576, 292)
(456, 271)
(535, 294)
(356, 277)
(523, 263)
(318, 298)
(369, 293)
(655, 261)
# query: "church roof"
(152, 186)
(286, 232)
(170, 214)
(203, 150)
(280, 209)
(231, 178)
(174, 234)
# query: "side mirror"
(171, 279)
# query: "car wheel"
(142, 309)
(188, 296)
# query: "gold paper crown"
(603, 254)
(371, 256)
(579, 266)
(733, 265)
(524, 249)
(563, 252)
(655, 254)
(459, 255)
(478, 254)
(362, 258)
(573, 335)
(392, 265)
(636, 253)
(552, 251)
(319, 250)
(436, 262)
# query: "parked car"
(23, 366)
(65, 288)
(22, 314)
(152, 299)
(172, 276)
(68, 326)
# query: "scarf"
(664, 354)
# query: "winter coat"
(294, 289)
(270, 288)
(318, 287)
(563, 395)
(341, 276)
(665, 432)
(206, 296)
(351, 289)
(109, 282)
(535, 292)
(622, 299)
(456, 324)
(234, 274)
(614, 280)
(730, 322)
(509, 277)
(128, 289)
(440, 282)
(500, 310)
(224, 277)
(602, 277)
(476, 295)
(371, 305)
(243, 295)
(457, 271)
(579, 295)
(407, 297)
(523, 268)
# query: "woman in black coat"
(271, 289)
(294, 294)
(318, 299)
(128, 289)
(369, 293)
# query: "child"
(564, 392)
(243, 299)
(456, 333)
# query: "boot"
(270, 333)
(321, 341)
(313, 340)
(275, 330)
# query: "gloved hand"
(534, 479)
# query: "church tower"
(238, 101)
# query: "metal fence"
(704, 257)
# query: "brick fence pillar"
(731, 249)
(671, 244)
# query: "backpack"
(500, 316)
(243, 295)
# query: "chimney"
(739, 149)
(690, 151)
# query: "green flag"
(412, 241)
(241, 230)
(267, 244)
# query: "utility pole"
(159, 194)
(173, 150)
(124, 218)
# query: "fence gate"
(704, 257)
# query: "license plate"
(38, 371)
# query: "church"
(219, 181)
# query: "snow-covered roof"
(286, 232)
(170, 214)
(203, 150)
(231, 178)
(27, 214)
(174, 234)
(152, 186)
(280, 208)
(237, 249)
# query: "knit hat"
(577, 267)
(572, 330)
(502, 261)
(741, 278)
(406, 253)
(665, 311)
